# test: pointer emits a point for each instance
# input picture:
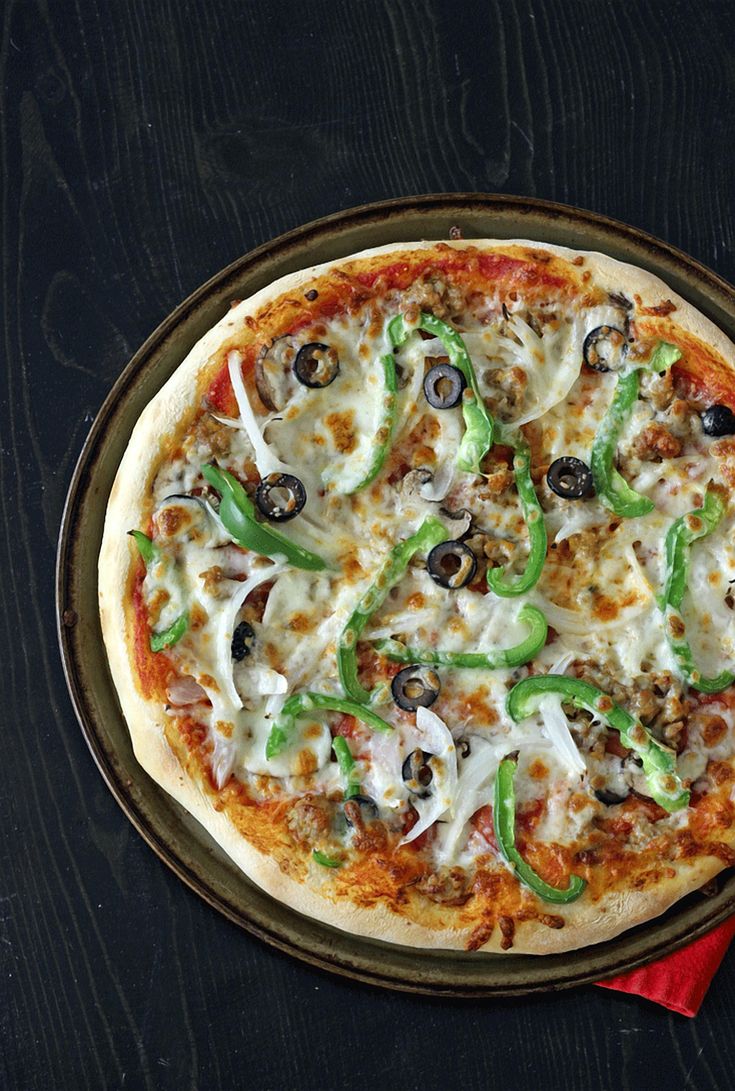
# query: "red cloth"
(679, 981)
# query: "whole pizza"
(416, 591)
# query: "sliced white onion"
(531, 343)
(408, 621)
(263, 681)
(410, 396)
(274, 704)
(557, 375)
(586, 517)
(561, 664)
(556, 728)
(432, 346)
(641, 579)
(474, 772)
(577, 623)
(382, 779)
(226, 628)
(265, 459)
(220, 535)
(436, 740)
(229, 422)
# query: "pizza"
(416, 590)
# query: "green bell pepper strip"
(479, 427)
(148, 549)
(498, 581)
(172, 635)
(681, 534)
(430, 533)
(237, 513)
(663, 356)
(611, 487)
(504, 824)
(324, 860)
(301, 704)
(382, 438)
(516, 656)
(347, 765)
(659, 762)
(151, 554)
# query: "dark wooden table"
(146, 143)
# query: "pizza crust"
(586, 923)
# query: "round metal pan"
(175, 837)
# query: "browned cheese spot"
(342, 427)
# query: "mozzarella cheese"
(598, 588)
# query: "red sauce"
(529, 815)
(482, 821)
(346, 726)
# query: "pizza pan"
(174, 836)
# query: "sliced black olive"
(181, 496)
(316, 365)
(243, 639)
(610, 798)
(280, 496)
(415, 687)
(719, 420)
(464, 747)
(417, 773)
(604, 348)
(451, 564)
(443, 386)
(570, 478)
(360, 809)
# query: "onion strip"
(266, 460)
(226, 628)
(437, 740)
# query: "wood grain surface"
(145, 144)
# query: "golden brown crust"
(163, 755)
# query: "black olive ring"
(417, 773)
(415, 687)
(570, 478)
(609, 336)
(280, 497)
(243, 639)
(451, 564)
(316, 365)
(718, 420)
(443, 386)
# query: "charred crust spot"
(480, 935)
(661, 310)
(507, 927)
(551, 920)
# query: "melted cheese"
(598, 588)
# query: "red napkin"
(679, 981)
